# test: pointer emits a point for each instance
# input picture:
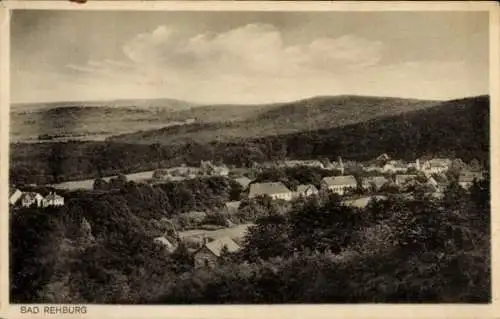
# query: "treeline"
(456, 129)
(99, 249)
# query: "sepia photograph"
(245, 157)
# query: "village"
(356, 183)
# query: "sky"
(246, 57)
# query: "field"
(236, 232)
(87, 184)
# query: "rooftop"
(377, 180)
(257, 189)
(303, 188)
(243, 181)
(53, 196)
(340, 180)
(469, 177)
(217, 245)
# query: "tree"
(183, 259)
(454, 196)
(100, 184)
(267, 239)
(323, 226)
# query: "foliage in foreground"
(396, 250)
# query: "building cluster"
(430, 172)
(382, 172)
(29, 199)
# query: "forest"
(99, 249)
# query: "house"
(370, 167)
(31, 198)
(243, 181)
(402, 180)
(306, 190)
(232, 207)
(466, 178)
(53, 199)
(435, 165)
(222, 170)
(339, 184)
(313, 163)
(378, 162)
(275, 190)
(14, 196)
(210, 252)
(327, 164)
(395, 166)
(375, 183)
(383, 158)
(169, 246)
(184, 171)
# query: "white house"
(169, 246)
(275, 190)
(309, 163)
(306, 190)
(14, 196)
(435, 165)
(339, 184)
(53, 200)
(394, 166)
(222, 170)
(31, 198)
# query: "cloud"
(253, 49)
(249, 61)
(255, 64)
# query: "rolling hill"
(97, 120)
(456, 128)
(226, 123)
(90, 120)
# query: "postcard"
(168, 159)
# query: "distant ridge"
(223, 123)
(150, 121)
(173, 104)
